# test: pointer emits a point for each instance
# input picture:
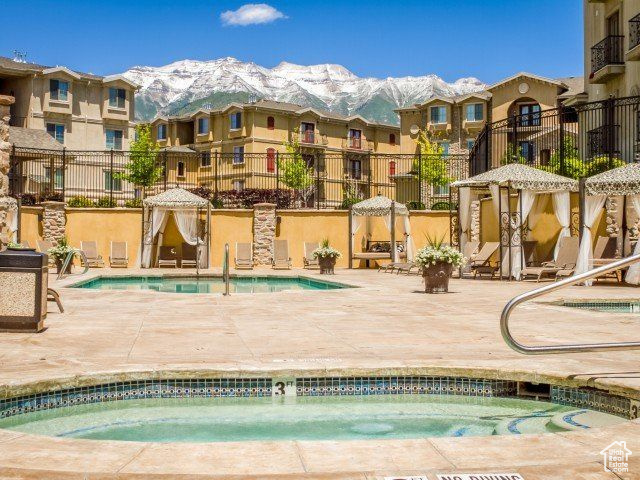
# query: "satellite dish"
(414, 129)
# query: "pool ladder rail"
(69, 258)
(538, 292)
(225, 270)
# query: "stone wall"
(6, 203)
(264, 232)
(54, 221)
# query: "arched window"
(392, 138)
(392, 167)
(271, 123)
(271, 159)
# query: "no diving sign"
(465, 476)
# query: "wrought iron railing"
(634, 32)
(608, 51)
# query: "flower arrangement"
(60, 251)
(326, 251)
(435, 252)
(17, 246)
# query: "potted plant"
(59, 252)
(326, 256)
(437, 262)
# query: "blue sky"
(488, 39)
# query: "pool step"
(582, 419)
(537, 422)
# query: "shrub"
(80, 201)
(413, 205)
(246, 198)
(105, 202)
(441, 206)
(349, 201)
(29, 199)
(134, 203)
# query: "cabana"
(618, 182)
(380, 206)
(533, 187)
(187, 210)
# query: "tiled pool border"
(306, 386)
(604, 305)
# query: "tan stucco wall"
(30, 225)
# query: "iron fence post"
(419, 199)
(64, 172)
(165, 169)
(317, 165)
(561, 146)
(277, 175)
(111, 178)
(516, 150)
(52, 174)
(215, 175)
(13, 169)
(369, 174)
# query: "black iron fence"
(577, 141)
(234, 180)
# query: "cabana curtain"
(465, 198)
(527, 197)
(562, 209)
(158, 222)
(633, 274)
(592, 210)
(187, 222)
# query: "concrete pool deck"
(386, 326)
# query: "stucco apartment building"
(80, 110)
(242, 143)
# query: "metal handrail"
(225, 269)
(68, 260)
(538, 292)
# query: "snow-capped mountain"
(186, 85)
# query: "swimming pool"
(304, 418)
(208, 284)
(614, 306)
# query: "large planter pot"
(436, 277)
(59, 266)
(327, 264)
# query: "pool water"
(208, 284)
(614, 306)
(296, 418)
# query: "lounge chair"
(54, 296)
(244, 255)
(564, 265)
(529, 252)
(119, 256)
(481, 262)
(167, 257)
(406, 267)
(390, 267)
(90, 250)
(189, 256)
(308, 260)
(281, 258)
(43, 246)
(604, 253)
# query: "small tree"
(431, 167)
(143, 169)
(294, 171)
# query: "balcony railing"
(307, 136)
(634, 32)
(354, 142)
(607, 52)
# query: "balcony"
(634, 39)
(607, 59)
(308, 136)
(354, 142)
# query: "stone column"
(264, 232)
(613, 212)
(54, 221)
(6, 203)
(474, 235)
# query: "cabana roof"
(176, 198)
(520, 177)
(623, 180)
(378, 206)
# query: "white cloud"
(251, 14)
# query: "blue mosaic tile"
(591, 399)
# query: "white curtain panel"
(525, 203)
(159, 218)
(465, 198)
(633, 274)
(592, 209)
(355, 225)
(187, 223)
(12, 222)
(539, 206)
(387, 222)
(411, 248)
(562, 209)
(495, 191)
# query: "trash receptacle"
(23, 290)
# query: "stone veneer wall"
(264, 232)
(54, 221)
(6, 202)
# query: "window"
(526, 151)
(474, 112)
(114, 139)
(238, 185)
(392, 168)
(307, 132)
(529, 115)
(271, 160)
(441, 190)
(117, 97)
(355, 137)
(56, 130)
(439, 114)
(238, 155)
(112, 183)
(356, 169)
(235, 120)
(271, 123)
(58, 180)
(180, 169)
(162, 131)
(392, 138)
(205, 159)
(203, 126)
(470, 143)
(445, 147)
(59, 90)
